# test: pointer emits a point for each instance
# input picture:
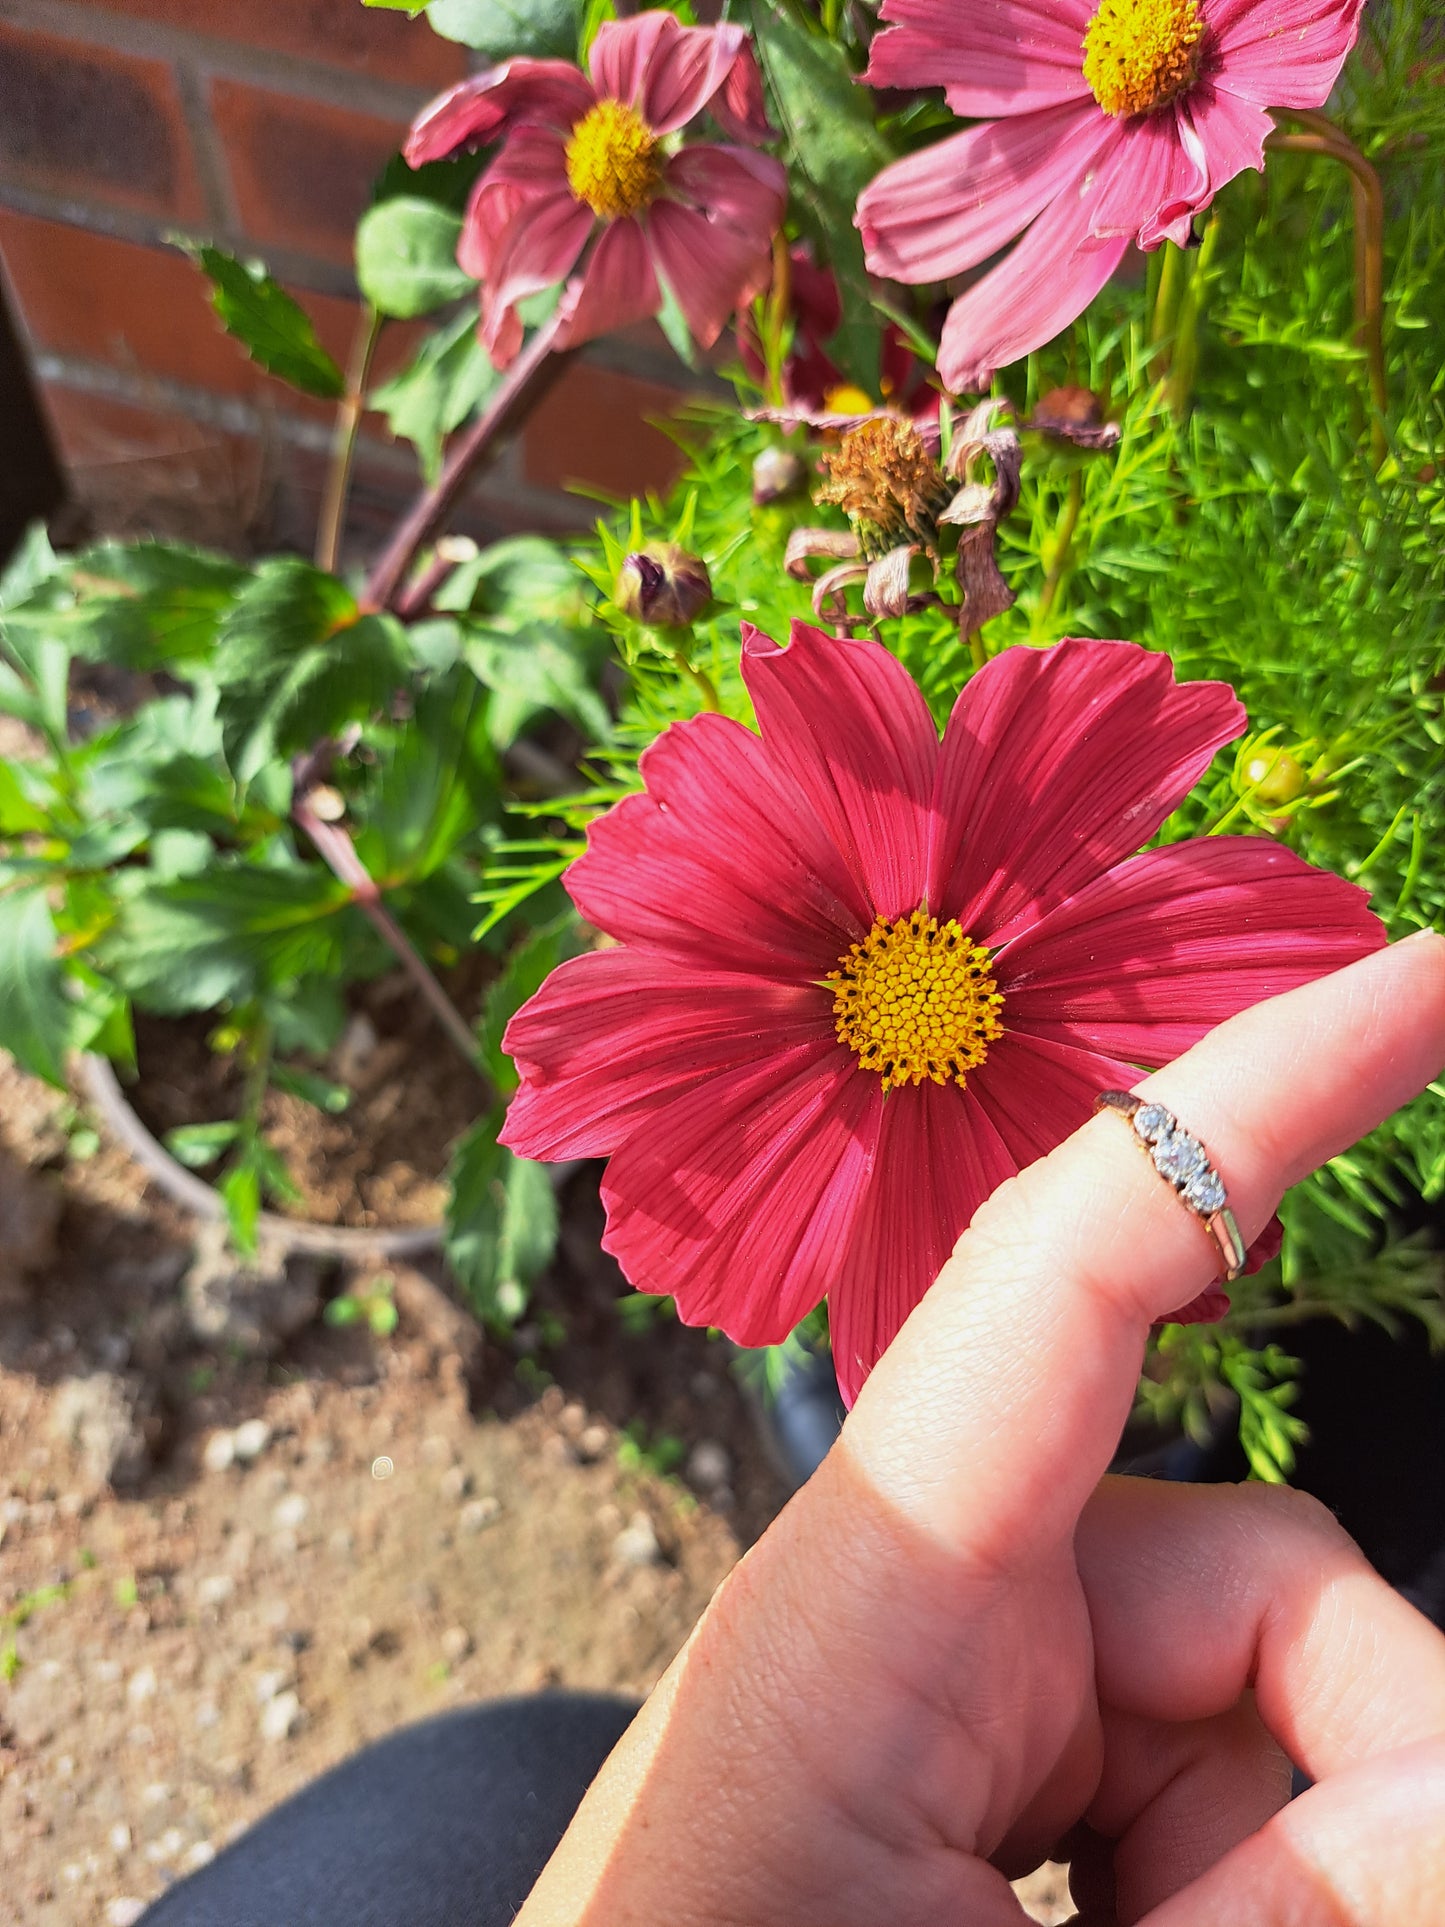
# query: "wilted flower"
(1097, 127)
(1074, 416)
(861, 977)
(595, 164)
(888, 476)
(663, 585)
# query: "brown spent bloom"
(887, 482)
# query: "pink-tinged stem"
(1323, 137)
(337, 851)
(535, 367)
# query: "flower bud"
(663, 586)
(776, 472)
(1275, 776)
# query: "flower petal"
(739, 1195)
(1156, 175)
(989, 56)
(847, 724)
(1057, 763)
(612, 1034)
(716, 254)
(740, 110)
(1046, 281)
(952, 205)
(1036, 1093)
(1230, 134)
(535, 250)
(1148, 957)
(688, 68)
(617, 286)
(938, 1158)
(624, 50)
(475, 111)
(719, 862)
(1282, 53)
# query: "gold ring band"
(1182, 1161)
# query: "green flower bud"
(663, 586)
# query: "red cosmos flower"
(1118, 122)
(592, 164)
(862, 977)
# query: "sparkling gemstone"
(1179, 1156)
(1152, 1122)
(1206, 1192)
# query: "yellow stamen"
(1140, 54)
(847, 400)
(886, 482)
(613, 160)
(915, 1000)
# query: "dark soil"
(382, 1160)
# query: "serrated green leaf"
(197, 1145)
(35, 1017)
(436, 785)
(19, 812)
(834, 150)
(501, 1221)
(500, 29)
(273, 328)
(32, 562)
(527, 968)
(297, 662)
(406, 257)
(540, 666)
(147, 605)
(450, 376)
(229, 934)
(521, 576)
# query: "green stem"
(1171, 289)
(977, 649)
(1184, 358)
(703, 680)
(1063, 543)
(349, 410)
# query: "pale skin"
(962, 1645)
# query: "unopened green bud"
(1275, 776)
(664, 586)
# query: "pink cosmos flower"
(1116, 123)
(862, 977)
(593, 166)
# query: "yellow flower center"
(613, 162)
(1138, 54)
(886, 482)
(915, 1000)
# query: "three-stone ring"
(1180, 1159)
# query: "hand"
(957, 1645)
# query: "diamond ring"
(1179, 1157)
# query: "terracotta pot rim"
(102, 1087)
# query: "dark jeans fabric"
(445, 1824)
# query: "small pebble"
(208, 1714)
(708, 1464)
(290, 1512)
(266, 1686)
(592, 1443)
(215, 1589)
(120, 1838)
(280, 1717)
(124, 1912)
(156, 1794)
(455, 1484)
(477, 1514)
(250, 1440)
(220, 1452)
(636, 1544)
(456, 1644)
(142, 1686)
(200, 1855)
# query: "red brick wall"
(260, 124)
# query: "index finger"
(1000, 1404)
